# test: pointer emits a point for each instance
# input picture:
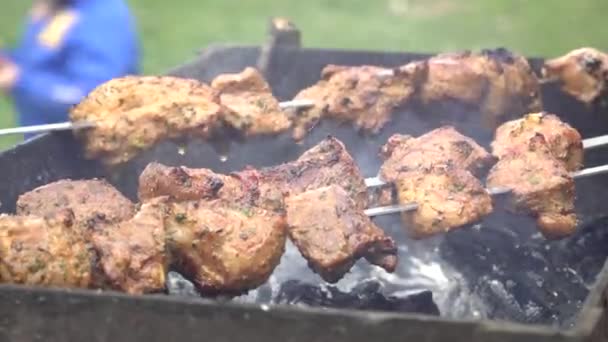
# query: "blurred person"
(68, 48)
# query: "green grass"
(172, 31)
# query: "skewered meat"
(178, 183)
(497, 82)
(129, 249)
(394, 142)
(364, 95)
(331, 233)
(134, 113)
(92, 201)
(440, 146)
(187, 184)
(132, 255)
(253, 108)
(436, 170)
(44, 251)
(216, 233)
(583, 73)
(541, 186)
(564, 141)
(267, 189)
(448, 197)
(225, 247)
(324, 164)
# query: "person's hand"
(9, 72)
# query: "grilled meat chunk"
(364, 95)
(133, 113)
(44, 251)
(541, 186)
(500, 84)
(132, 256)
(225, 247)
(179, 183)
(583, 73)
(332, 234)
(187, 184)
(395, 142)
(440, 146)
(564, 141)
(324, 164)
(92, 201)
(436, 170)
(448, 197)
(254, 199)
(253, 108)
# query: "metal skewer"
(296, 104)
(63, 126)
(595, 142)
(588, 144)
(67, 126)
(392, 209)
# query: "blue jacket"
(65, 57)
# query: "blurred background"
(172, 31)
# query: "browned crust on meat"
(364, 95)
(448, 198)
(44, 251)
(564, 141)
(133, 113)
(253, 109)
(331, 233)
(93, 202)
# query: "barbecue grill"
(496, 281)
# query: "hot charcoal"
(523, 278)
(364, 296)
